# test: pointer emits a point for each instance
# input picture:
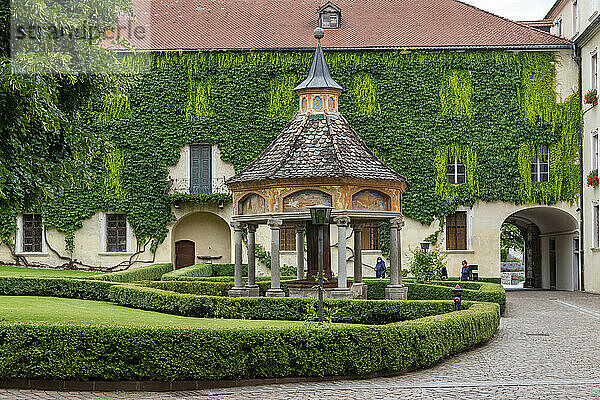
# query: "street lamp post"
(320, 216)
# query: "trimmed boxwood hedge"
(146, 273)
(101, 353)
(203, 271)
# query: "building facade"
(437, 101)
(580, 22)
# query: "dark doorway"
(552, 264)
(185, 254)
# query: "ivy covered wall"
(492, 110)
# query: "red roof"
(288, 24)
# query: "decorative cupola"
(319, 92)
(318, 159)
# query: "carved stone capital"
(301, 227)
(275, 223)
(342, 221)
(237, 226)
(397, 223)
(252, 228)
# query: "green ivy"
(413, 110)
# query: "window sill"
(595, 249)
(287, 252)
(24, 254)
(116, 253)
(460, 251)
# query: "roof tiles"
(288, 24)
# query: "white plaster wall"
(220, 169)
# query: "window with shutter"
(370, 238)
(456, 231)
(200, 169)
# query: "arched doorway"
(550, 237)
(201, 237)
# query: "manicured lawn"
(88, 312)
(6, 270)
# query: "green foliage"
(426, 265)
(510, 238)
(117, 354)
(198, 270)
(149, 272)
(442, 290)
(456, 93)
(393, 101)
(113, 181)
(465, 155)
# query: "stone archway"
(210, 235)
(550, 235)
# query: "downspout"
(577, 58)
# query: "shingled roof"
(317, 148)
(365, 24)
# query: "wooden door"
(185, 254)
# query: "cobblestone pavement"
(547, 347)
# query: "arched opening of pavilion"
(551, 247)
(317, 160)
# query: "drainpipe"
(577, 58)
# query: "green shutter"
(200, 169)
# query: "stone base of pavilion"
(396, 292)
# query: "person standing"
(465, 272)
(444, 273)
(380, 268)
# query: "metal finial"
(319, 33)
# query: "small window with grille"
(456, 172)
(540, 166)
(287, 238)
(32, 233)
(370, 238)
(116, 233)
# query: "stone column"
(252, 287)
(342, 291)
(358, 289)
(300, 251)
(357, 253)
(396, 290)
(238, 289)
(275, 291)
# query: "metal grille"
(116, 233)
(32, 233)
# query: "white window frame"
(539, 161)
(595, 146)
(469, 249)
(594, 70)
(575, 18)
(19, 239)
(129, 235)
(595, 226)
(456, 174)
(559, 26)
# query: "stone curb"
(157, 386)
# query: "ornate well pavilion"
(318, 159)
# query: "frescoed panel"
(252, 204)
(370, 200)
(305, 198)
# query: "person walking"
(380, 268)
(465, 272)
